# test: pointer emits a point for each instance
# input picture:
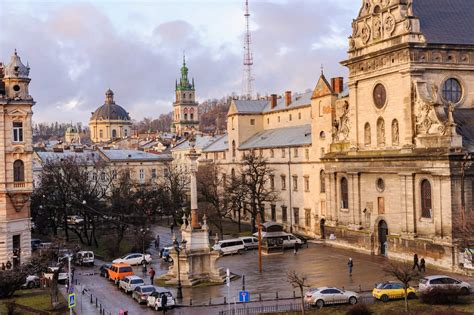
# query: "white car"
(128, 284)
(226, 247)
(31, 282)
(250, 242)
(84, 258)
(326, 295)
(439, 281)
(74, 219)
(290, 240)
(133, 259)
(62, 276)
(154, 299)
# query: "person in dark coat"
(3, 266)
(164, 303)
(157, 242)
(350, 264)
(415, 262)
(422, 265)
(9, 265)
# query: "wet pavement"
(323, 266)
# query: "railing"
(294, 307)
(19, 184)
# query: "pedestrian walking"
(164, 303)
(295, 250)
(9, 265)
(422, 265)
(152, 275)
(172, 227)
(157, 241)
(415, 262)
(3, 266)
(350, 264)
(161, 252)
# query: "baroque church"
(382, 164)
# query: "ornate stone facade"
(16, 150)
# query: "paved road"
(323, 266)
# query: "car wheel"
(384, 298)
(352, 300)
(240, 252)
(464, 291)
(411, 295)
(31, 285)
(319, 303)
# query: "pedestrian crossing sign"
(72, 300)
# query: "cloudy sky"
(77, 49)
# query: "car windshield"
(380, 285)
(167, 294)
(126, 269)
(136, 281)
(148, 289)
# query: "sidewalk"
(83, 305)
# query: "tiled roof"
(281, 137)
(219, 145)
(123, 155)
(446, 21)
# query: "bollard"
(190, 301)
(96, 302)
(100, 308)
(225, 300)
(91, 298)
(276, 295)
(294, 295)
(260, 296)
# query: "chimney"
(273, 99)
(337, 84)
(287, 98)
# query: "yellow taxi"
(386, 291)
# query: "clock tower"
(185, 107)
(16, 151)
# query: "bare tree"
(175, 187)
(298, 280)
(403, 273)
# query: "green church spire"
(184, 81)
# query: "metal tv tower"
(248, 57)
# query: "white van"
(250, 242)
(84, 258)
(226, 247)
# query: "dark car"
(35, 243)
(103, 270)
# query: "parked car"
(84, 258)
(119, 271)
(31, 282)
(104, 270)
(439, 281)
(386, 291)
(290, 240)
(322, 296)
(250, 242)
(141, 293)
(128, 284)
(165, 254)
(226, 247)
(62, 276)
(35, 244)
(133, 259)
(74, 219)
(154, 299)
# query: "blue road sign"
(72, 300)
(244, 296)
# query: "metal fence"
(294, 307)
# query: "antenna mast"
(248, 57)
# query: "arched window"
(233, 148)
(125, 132)
(452, 91)
(232, 174)
(322, 181)
(426, 199)
(395, 133)
(344, 193)
(380, 132)
(367, 134)
(114, 133)
(18, 171)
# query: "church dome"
(110, 110)
(16, 69)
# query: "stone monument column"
(193, 156)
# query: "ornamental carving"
(365, 33)
(390, 23)
(18, 200)
(341, 128)
(377, 30)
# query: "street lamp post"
(179, 288)
(144, 232)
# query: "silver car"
(128, 284)
(326, 295)
(439, 281)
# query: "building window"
(278, 118)
(306, 153)
(191, 116)
(114, 174)
(322, 181)
(252, 122)
(223, 155)
(142, 174)
(296, 215)
(272, 153)
(452, 91)
(101, 134)
(185, 116)
(273, 210)
(295, 183)
(291, 117)
(125, 132)
(268, 121)
(283, 182)
(260, 152)
(283, 153)
(367, 135)
(18, 171)
(344, 193)
(306, 183)
(233, 149)
(295, 152)
(153, 173)
(426, 199)
(114, 133)
(299, 115)
(94, 176)
(232, 175)
(102, 176)
(284, 214)
(17, 131)
(272, 182)
(307, 217)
